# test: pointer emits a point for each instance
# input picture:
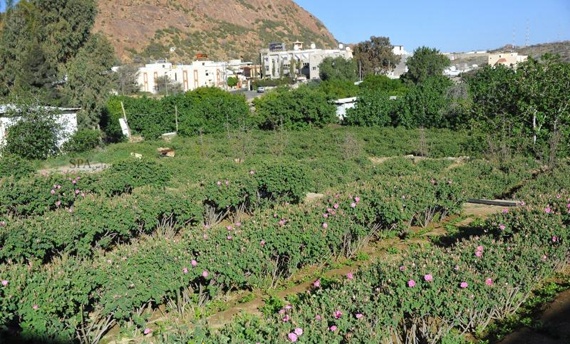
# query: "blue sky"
(450, 26)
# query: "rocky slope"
(141, 30)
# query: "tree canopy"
(375, 56)
(338, 68)
(48, 54)
(425, 63)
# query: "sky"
(449, 26)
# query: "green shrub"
(13, 165)
(34, 136)
(82, 141)
(283, 181)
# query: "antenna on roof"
(514, 38)
(526, 42)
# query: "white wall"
(67, 120)
(192, 76)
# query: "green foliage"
(301, 108)
(82, 141)
(89, 79)
(338, 68)
(382, 83)
(35, 134)
(524, 110)
(126, 175)
(464, 287)
(139, 239)
(232, 81)
(336, 89)
(425, 105)
(212, 110)
(40, 39)
(374, 108)
(272, 82)
(425, 63)
(285, 182)
(13, 165)
(375, 56)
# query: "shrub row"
(435, 294)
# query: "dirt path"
(86, 168)
(555, 325)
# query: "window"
(314, 68)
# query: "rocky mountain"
(142, 30)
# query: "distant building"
(198, 74)
(506, 59)
(399, 50)
(278, 62)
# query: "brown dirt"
(555, 327)
(91, 168)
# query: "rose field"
(149, 249)
(275, 220)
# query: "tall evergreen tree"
(90, 79)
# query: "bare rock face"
(178, 30)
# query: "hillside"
(147, 29)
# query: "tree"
(375, 56)
(19, 34)
(126, 76)
(38, 77)
(90, 80)
(382, 83)
(165, 86)
(426, 104)
(374, 108)
(336, 89)
(65, 27)
(211, 110)
(300, 108)
(494, 93)
(544, 104)
(232, 81)
(338, 68)
(425, 63)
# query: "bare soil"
(89, 168)
(555, 325)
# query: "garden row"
(83, 287)
(83, 214)
(428, 295)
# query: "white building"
(278, 62)
(399, 50)
(506, 59)
(342, 105)
(66, 118)
(192, 76)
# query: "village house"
(278, 62)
